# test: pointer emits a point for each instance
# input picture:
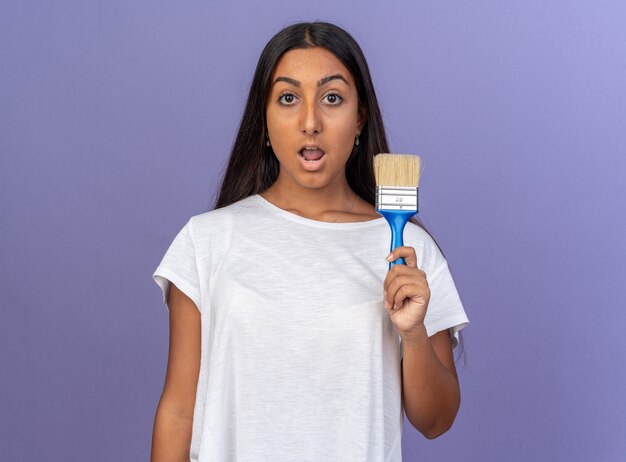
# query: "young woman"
(289, 338)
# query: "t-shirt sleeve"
(445, 310)
(179, 266)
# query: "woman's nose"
(311, 123)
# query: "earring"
(356, 141)
(267, 143)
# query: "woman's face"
(312, 117)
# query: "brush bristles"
(397, 170)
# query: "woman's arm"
(171, 438)
(430, 387)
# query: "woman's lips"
(312, 159)
(311, 154)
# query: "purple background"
(116, 118)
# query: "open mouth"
(311, 153)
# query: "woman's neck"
(332, 203)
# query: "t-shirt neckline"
(310, 222)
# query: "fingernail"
(389, 257)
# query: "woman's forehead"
(310, 65)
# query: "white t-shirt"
(300, 360)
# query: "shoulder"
(419, 236)
(220, 220)
(209, 235)
(426, 249)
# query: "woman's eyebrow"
(289, 80)
(332, 77)
(325, 80)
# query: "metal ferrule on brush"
(397, 204)
(397, 198)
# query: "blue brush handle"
(397, 219)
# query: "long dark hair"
(253, 167)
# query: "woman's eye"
(287, 98)
(333, 99)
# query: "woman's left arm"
(430, 386)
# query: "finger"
(401, 275)
(406, 252)
(395, 298)
(410, 291)
(400, 287)
(395, 285)
(401, 270)
(394, 272)
(386, 302)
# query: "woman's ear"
(361, 118)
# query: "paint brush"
(397, 185)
